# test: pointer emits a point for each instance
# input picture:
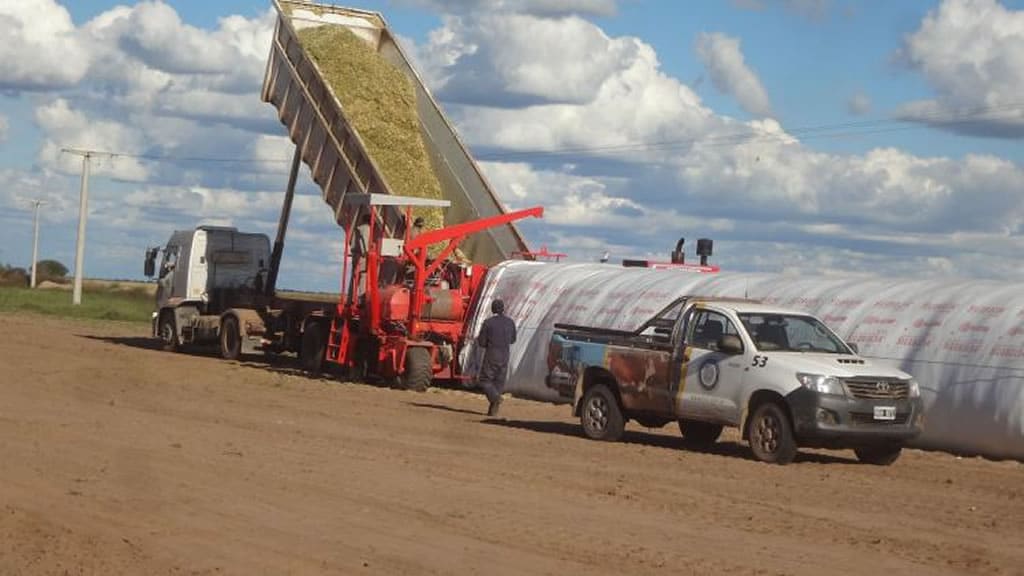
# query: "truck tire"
(699, 433)
(311, 354)
(167, 331)
(879, 455)
(600, 414)
(770, 434)
(230, 338)
(418, 370)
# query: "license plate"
(885, 412)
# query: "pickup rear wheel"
(879, 455)
(771, 435)
(600, 414)
(699, 433)
(230, 338)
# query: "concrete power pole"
(35, 239)
(83, 213)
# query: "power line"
(749, 135)
(844, 129)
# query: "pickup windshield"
(791, 333)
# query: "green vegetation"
(111, 302)
(50, 270)
(380, 101)
(11, 276)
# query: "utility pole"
(83, 213)
(35, 239)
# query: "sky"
(806, 137)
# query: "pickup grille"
(878, 389)
(863, 419)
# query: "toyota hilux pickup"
(781, 376)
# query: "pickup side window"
(791, 333)
(707, 327)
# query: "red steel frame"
(345, 344)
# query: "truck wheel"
(167, 331)
(230, 338)
(771, 435)
(418, 370)
(311, 355)
(600, 414)
(699, 433)
(879, 455)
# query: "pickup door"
(712, 381)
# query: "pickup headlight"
(914, 389)
(821, 384)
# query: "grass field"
(105, 302)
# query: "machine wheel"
(771, 435)
(418, 370)
(600, 414)
(311, 355)
(230, 338)
(699, 433)
(879, 455)
(167, 331)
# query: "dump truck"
(781, 376)
(401, 316)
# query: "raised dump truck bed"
(335, 153)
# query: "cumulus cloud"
(643, 160)
(972, 53)
(41, 49)
(724, 62)
(625, 157)
(859, 104)
(160, 88)
(69, 128)
(517, 59)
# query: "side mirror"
(730, 344)
(661, 331)
(150, 268)
(853, 346)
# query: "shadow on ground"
(444, 408)
(730, 449)
(131, 341)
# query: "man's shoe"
(492, 409)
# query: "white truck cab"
(781, 376)
(203, 273)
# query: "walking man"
(496, 337)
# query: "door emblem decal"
(708, 374)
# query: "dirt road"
(117, 458)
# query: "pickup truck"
(781, 376)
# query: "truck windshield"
(791, 333)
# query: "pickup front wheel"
(600, 414)
(771, 435)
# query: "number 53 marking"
(759, 361)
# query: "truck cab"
(781, 376)
(202, 273)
